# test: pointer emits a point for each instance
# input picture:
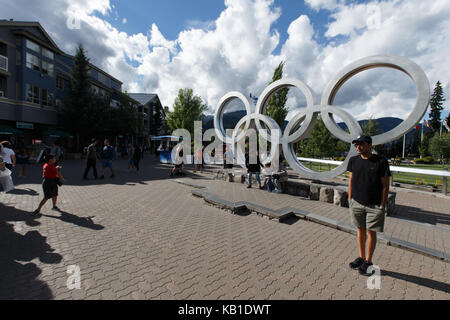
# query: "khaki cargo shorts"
(367, 217)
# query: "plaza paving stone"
(142, 236)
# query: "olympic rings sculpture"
(308, 116)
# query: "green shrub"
(419, 161)
(426, 160)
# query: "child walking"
(52, 177)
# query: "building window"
(95, 89)
(48, 54)
(47, 98)
(33, 62)
(2, 87)
(33, 46)
(59, 83)
(18, 58)
(3, 49)
(32, 93)
(104, 79)
(47, 68)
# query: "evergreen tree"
(276, 107)
(436, 106)
(371, 128)
(187, 109)
(320, 144)
(75, 110)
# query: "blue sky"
(174, 16)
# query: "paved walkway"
(142, 236)
(419, 218)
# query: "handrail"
(440, 173)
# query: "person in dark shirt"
(253, 167)
(91, 159)
(367, 193)
(107, 156)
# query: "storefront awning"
(166, 138)
(58, 134)
(10, 131)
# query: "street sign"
(24, 125)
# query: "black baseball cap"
(363, 138)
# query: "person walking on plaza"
(253, 168)
(22, 161)
(137, 155)
(51, 176)
(107, 156)
(367, 193)
(130, 154)
(91, 159)
(198, 160)
(9, 157)
(56, 151)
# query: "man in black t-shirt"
(367, 193)
(91, 159)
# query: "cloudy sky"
(217, 46)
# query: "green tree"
(439, 146)
(320, 144)
(424, 146)
(371, 128)
(124, 119)
(75, 109)
(436, 106)
(276, 107)
(187, 109)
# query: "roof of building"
(142, 98)
(36, 24)
(12, 23)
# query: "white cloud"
(322, 4)
(124, 20)
(236, 51)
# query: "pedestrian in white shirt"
(8, 155)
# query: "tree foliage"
(436, 107)
(188, 108)
(320, 143)
(276, 107)
(439, 146)
(88, 115)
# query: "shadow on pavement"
(29, 192)
(18, 281)
(429, 283)
(419, 215)
(85, 222)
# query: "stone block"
(340, 198)
(229, 177)
(326, 194)
(314, 192)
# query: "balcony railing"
(3, 63)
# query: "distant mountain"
(384, 124)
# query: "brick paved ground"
(141, 236)
(415, 219)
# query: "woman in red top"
(51, 177)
